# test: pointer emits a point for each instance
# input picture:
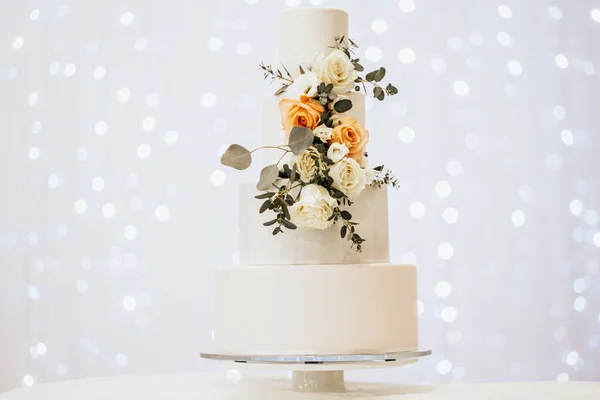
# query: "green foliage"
(237, 157)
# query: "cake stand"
(321, 373)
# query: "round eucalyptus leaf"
(267, 176)
(237, 157)
(300, 139)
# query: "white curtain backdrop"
(114, 210)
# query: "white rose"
(348, 177)
(313, 208)
(306, 83)
(337, 69)
(337, 151)
(306, 165)
(323, 132)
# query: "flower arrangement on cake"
(324, 165)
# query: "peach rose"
(305, 112)
(353, 135)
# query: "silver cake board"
(321, 373)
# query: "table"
(216, 387)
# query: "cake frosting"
(307, 291)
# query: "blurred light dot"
(561, 61)
(129, 303)
(33, 351)
(121, 360)
(100, 128)
(504, 11)
(70, 70)
(140, 44)
(504, 39)
(99, 72)
(514, 67)
(518, 218)
(576, 207)
(562, 377)
(379, 26)
(454, 167)
(567, 137)
(407, 55)
(450, 215)
(144, 150)
(453, 336)
(145, 299)
(589, 68)
(36, 127)
(54, 68)
(82, 154)
(98, 183)
(34, 153)
(417, 210)
(454, 43)
(148, 124)
(406, 134)
(525, 192)
(34, 14)
(445, 251)
(162, 213)
(127, 18)
(53, 181)
(18, 42)
(12, 73)
(591, 217)
(82, 286)
(123, 95)
(130, 232)
(471, 141)
(33, 292)
(63, 10)
(39, 266)
(572, 358)
(171, 137)
(62, 230)
(461, 88)
(420, 307)
(580, 304)
(556, 12)
(559, 112)
(32, 238)
(209, 100)
(152, 100)
(443, 289)
(62, 369)
(476, 39)
(41, 348)
(406, 6)
(33, 98)
(218, 177)
(595, 14)
(373, 54)
(28, 380)
(579, 285)
(444, 367)
(108, 210)
(443, 189)
(243, 49)
(438, 65)
(578, 234)
(449, 314)
(214, 43)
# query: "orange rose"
(305, 112)
(353, 135)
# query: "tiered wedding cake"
(306, 291)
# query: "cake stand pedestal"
(322, 373)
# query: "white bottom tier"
(315, 309)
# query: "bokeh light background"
(114, 209)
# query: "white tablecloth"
(212, 387)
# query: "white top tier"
(304, 32)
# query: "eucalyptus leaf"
(267, 176)
(237, 157)
(379, 75)
(391, 89)
(271, 222)
(301, 69)
(281, 90)
(300, 139)
(288, 224)
(343, 105)
(371, 75)
(378, 93)
(343, 231)
(265, 206)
